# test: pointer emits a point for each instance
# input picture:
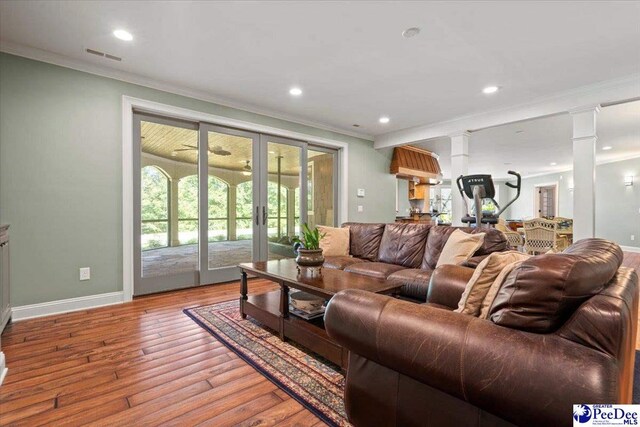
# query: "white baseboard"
(634, 249)
(65, 305)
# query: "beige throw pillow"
(335, 241)
(483, 277)
(496, 285)
(460, 247)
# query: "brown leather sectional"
(561, 331)
(405, 253)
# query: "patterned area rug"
(314, 382)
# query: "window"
(154, 208)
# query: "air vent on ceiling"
(104, 55)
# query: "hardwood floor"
(140, 363)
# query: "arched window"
(154, 209)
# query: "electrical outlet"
(360, 192)
(360, 208)
(85, 273)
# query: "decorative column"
(173, 213)
(459, 166)
(291, 211)
(231, 212)
(584, 171)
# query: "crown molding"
(603, 93)
(112, 73)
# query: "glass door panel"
(284, 195)
(227, 202)
(165, 204)
(321, 187)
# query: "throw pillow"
(460, 247)
(335, 241)
(486, 304)
(483, 277)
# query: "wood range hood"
(415, 164)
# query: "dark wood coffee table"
(272, 308)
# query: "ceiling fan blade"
(183, 149)
(190, 146)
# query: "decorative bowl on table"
(306, 302)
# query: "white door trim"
(536, 198)
(129, 103)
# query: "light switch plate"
(360, 208)
(360, 192)
(85, 273)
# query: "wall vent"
(104, 55)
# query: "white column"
(584, 171)
(231, 211)
(173, 213)
(459, 166)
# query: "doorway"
(209, 197)
(546, 200)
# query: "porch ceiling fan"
(217, 150)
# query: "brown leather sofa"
(405, 253)
(561, 331)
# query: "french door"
(209, 197)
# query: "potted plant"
(308, 248)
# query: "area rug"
(314, 382)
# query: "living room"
(156, 263)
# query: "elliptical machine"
(479, 188)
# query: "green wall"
(61, 175)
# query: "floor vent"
(104, 55)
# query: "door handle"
(257, 215)
(264, 215)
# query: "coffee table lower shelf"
(311, 334)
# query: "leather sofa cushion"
(414, 281)
(379, 270)
(340, 262)
(403, 244)
(364, 239)
(494, 241)
(544, 291)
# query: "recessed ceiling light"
(123, 35)
(553, 163)
(490, 89)
(383, 119)
(410, 32)
(295, 91)
(607, 147)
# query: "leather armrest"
(447, 285)
(526, 378)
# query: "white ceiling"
(349, 57)
(531, 146)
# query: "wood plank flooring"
(140, 363)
